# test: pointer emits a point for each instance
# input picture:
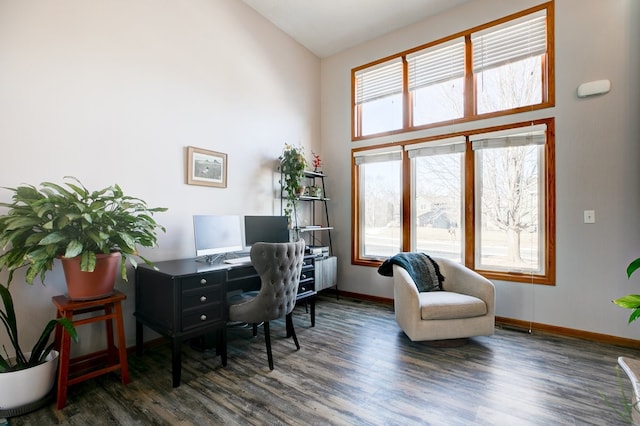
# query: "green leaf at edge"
(633, 266)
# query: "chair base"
(447, 343)
(267, 337)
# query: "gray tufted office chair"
(279, 266)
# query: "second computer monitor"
(268, 229)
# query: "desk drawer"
(241, 273)
(202, 316)
(307, 275)
(202, 281)
(308, 285)
(202, 296)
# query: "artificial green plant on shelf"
(292, 166)
(631, 301)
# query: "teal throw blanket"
(422, 268)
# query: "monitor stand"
(211, 259)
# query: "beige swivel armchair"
(465, 308)
(279, 266)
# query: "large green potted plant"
(27, 377)
(83, 228)
(292, 166)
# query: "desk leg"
(139, 338)
(176, 361)
(313, 311)
(223, 344)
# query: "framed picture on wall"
(207, 168)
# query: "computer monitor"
(215, 235)
(268, 229)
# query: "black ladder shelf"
(319, 233)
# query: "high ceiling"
(326, 27)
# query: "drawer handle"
(203, 317)
(203, 281)
(203, 298)
(303, 289)
(304, 276)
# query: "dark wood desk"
(184, 299)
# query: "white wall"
(597, 156)
(113, 91)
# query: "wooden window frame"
(469, 101)
(549, 275)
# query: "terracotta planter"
(83, 285)
(22, 387)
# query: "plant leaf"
(8, 317)
(4, 365)
(88, 261)
(634, 315)
(74, 248)
(9, 313)
(40, 349)
(52, 238)
(632, 267)
(630, 301)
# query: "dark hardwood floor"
(357, 368)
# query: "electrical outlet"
(589, 216)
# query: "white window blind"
(442, 146)
(378, 155)
(379, 81)
(534, 135)
(513, 41)
(436, 64)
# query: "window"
(436, 83)
(510, 215)
(511, 62)
(380, 189)
(379, 98)
(507, 64)
(437, 192)
(485, 198)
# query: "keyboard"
(238, 260)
